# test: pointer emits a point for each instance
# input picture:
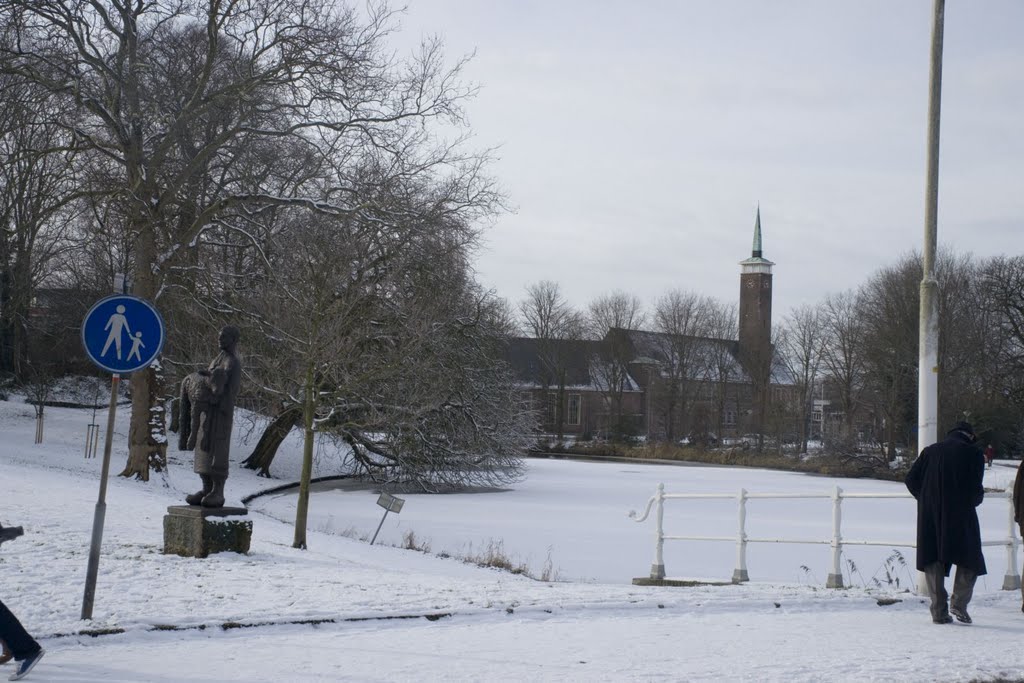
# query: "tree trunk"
(147, 434)
(560, 409)
(302, 507)
(275, 433)
(6, 321)
(805, 421)
(670, 409)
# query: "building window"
(575, 402)
(730, 418)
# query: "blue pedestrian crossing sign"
(122, 333)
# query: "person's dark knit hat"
(964, 428)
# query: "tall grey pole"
(928, 332)
(101, 508)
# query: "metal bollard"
(739, 575)
(835, 577)
(92, 440)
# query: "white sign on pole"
(390, 504)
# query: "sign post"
(121, 334)
(390, 504)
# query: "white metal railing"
(1011, 581)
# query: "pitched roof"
(707, 356)
(534, 361)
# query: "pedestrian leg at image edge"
(27, 664)
(23, 647)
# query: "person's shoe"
(6, 655)
(960, 614)
(26, 665)
(944, 619)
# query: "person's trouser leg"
(935, 580)
(963, 588)
(20, 643)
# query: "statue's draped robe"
(213, 441)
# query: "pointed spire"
(756, 253)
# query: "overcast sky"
(637, 139)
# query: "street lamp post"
(928, 333)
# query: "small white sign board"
(391, 503)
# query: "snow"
(376, 613)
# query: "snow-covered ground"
(347, 611)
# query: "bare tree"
(963, 317)
(683, 319)
(888, 310)
(549, 318)
(609, 316)
(843, 354)
(721, 365)
(173, 97)
(502, 316)
(37, 195)
(890, 318)
(1003, 281)
(800, 345)
(372, 327)
(1001, 349)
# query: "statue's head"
(229, 337)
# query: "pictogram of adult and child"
(118, 326)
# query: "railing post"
(1011, 581)
(658, 567)
(835, 577)
(739, 575)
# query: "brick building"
(633, 382)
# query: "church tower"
(755, 324)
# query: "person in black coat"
(946, 479)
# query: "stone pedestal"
(195, 531)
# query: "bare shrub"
(410, 542)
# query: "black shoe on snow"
(960, 614)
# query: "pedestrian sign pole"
(390, 504)
(121, 334)
(101, 508)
